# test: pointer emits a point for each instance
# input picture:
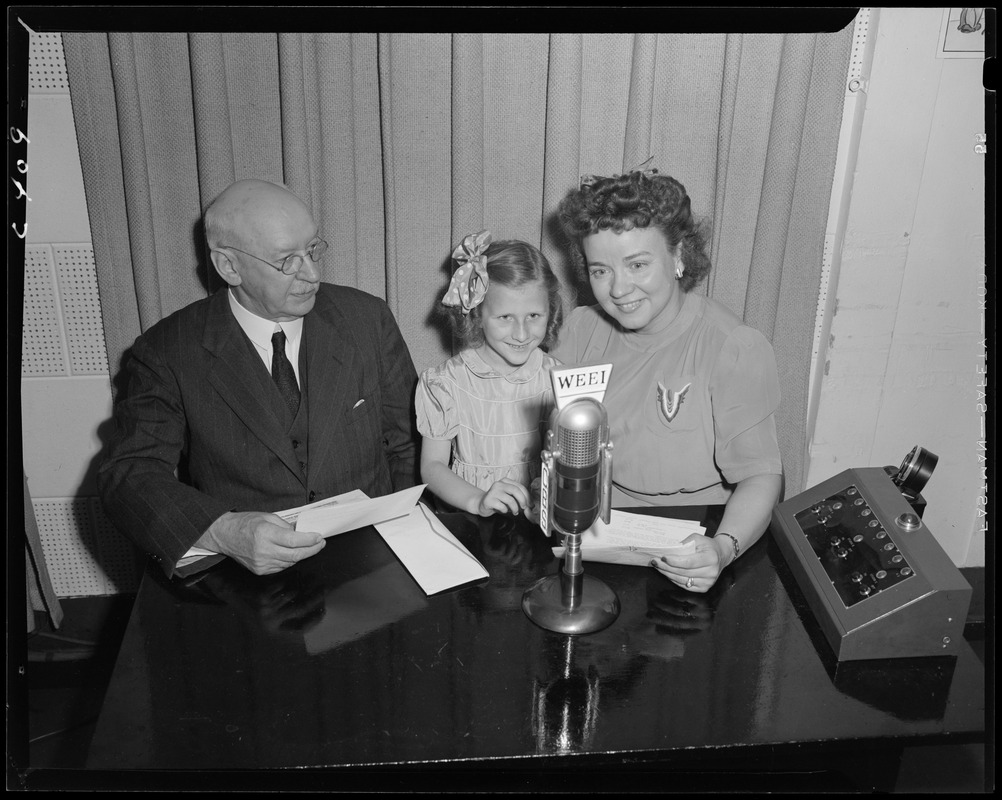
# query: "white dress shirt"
(260, 330)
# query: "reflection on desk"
(342, 660)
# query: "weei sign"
(573, 383)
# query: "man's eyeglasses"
(290, 265)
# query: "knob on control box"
(878, 582)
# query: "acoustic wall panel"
(84, 554)
(81, 309)
(120, 559)
(43, 346)
(64, 358)
(68, 543)
(46, 64)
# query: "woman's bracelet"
(734, 541)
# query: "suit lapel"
(331, 355)
(242, 381)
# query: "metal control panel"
(875, 577)
(860, 556)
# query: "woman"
(693, 390)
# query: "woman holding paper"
(693, 391)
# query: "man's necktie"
(282, 372)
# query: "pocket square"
(358, 403)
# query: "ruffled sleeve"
(435, 405)
(745, 395)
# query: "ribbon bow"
(590, 180)
(468, 286)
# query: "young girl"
(482, 411)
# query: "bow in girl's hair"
(468, 286)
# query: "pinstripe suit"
(199, 400)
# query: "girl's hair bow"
(468, 286)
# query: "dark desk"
(343, 664)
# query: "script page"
(636, 539)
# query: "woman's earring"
(678, 272)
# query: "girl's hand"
(532, 512)
(504, 497)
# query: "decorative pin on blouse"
(669, 401)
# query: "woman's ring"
(688, 583)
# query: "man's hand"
(263, 543)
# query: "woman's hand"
(698, 571)
(504, 497)
(745, 519)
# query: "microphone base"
(594, 608)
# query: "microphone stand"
(570, 601)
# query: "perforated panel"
(826, 274)
(81, 307)
(120, 558)
(84, 554)
(43, 349)
(67, 534)
(855, 90)
(857, 60)
(47, 64)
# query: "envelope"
(431, 554)
(334, 519)
(333, 515)
(292, 514)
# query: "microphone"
(579, 458)
(575, 490)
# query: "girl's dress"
(495, 421)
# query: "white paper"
(194, 554)
(431, 554)
(635, 539)
(330, 520)
(292, 514)
(330, 515)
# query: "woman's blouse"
(495, 421)
(691, 402)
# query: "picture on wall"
(962, 34)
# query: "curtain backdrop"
(405, 143)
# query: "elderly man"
(274, 392)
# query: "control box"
(878, 582)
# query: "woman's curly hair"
(512, 263)
(636, 200)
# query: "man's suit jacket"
(198, 431)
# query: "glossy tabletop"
(343, 661)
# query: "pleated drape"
(405, 143)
